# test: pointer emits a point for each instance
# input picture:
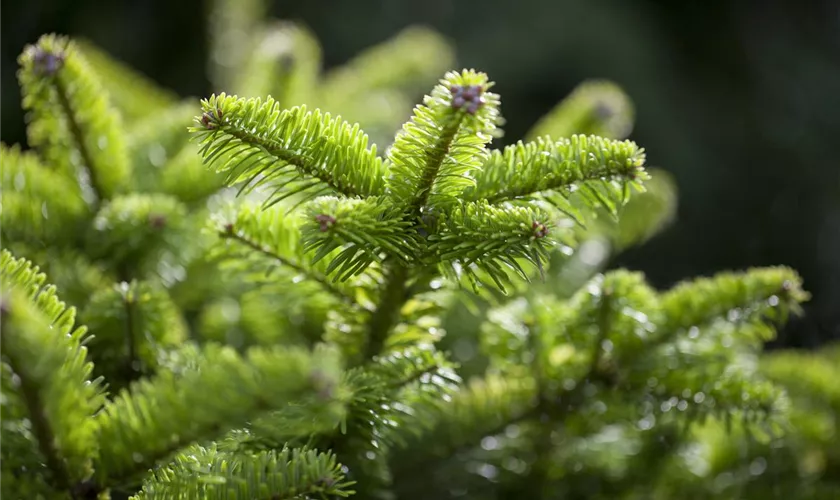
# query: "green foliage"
(25, 178)
(250, 140)
(439, 158)
(443, 143)
(132, 93)
(596, 107)
(45, 364)
(87, 441)
(164, 413)
(354, 308)
(132, 324)
(70, 119)
(727, 462)
(209, 473)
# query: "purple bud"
(47, 63)
(458, 102)
(603, 111)
(472, 107)
(471, 92)
(540, 231)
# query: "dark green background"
(739, 100)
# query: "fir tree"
(280, 310)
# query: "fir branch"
(546, 166)
(485, 407)
(72, 122)
(436, 152)
(771, 290)
(596, 107)
(38, 206)
(132, 231)
(361, 231)
(231, 27)
(409, 59)
(493, 240)
(153, 141)
(258, 242)
(268, 475)
(297, 151)
(387, 311)
(32, 395)
(308, 273)
(46, 351)
(133, 324)
(284, 64)
(135, 95)
(79, 140)
(162, 414)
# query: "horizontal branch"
(258, 143)
(525, 170)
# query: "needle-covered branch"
(435, 154)
(599, 169)
(596, 107)
(38, 206)
(45, 350)
(133, 324)
(71, 120)
(268, 475)
(133, 231)
(360, 231)
(773, 290)
(285, 64)
(132, 93)
(493, 239)
(257, 143)
(266, 244)
(485, 407)
(159, 415)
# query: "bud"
(326, 221)
(157, 221)
(46, 63)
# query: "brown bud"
(540, 231)
(207, 121)
(326, 221)
(157, 221)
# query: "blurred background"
(740, 101)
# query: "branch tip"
(47, 63)
(326, 222)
